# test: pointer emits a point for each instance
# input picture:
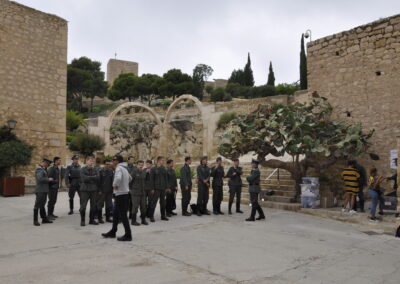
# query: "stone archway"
(112, 115)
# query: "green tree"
(200, 75)
(287, 89)
(209, 89)
(248, 73)
(86, 144)
(217, 95)
(176, 83)
(304, 131)
(261, 91)
(271, 76)
(303, 66)
(125, 86)
(74, 120)
(84, 79)
(237, 76)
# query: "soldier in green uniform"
(218, 174)
(131, 167)
(73, 181)
(254, 190)
(235, 185)
(148, 186)
(158, 179)
(203, 185)
(54, 172)
(89, 184)
(186, 186)
(170, 203)
(138, 194)
(104, 196)
(41, 191)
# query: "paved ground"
(287, 248)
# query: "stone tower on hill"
(115, 67)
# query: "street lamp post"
(11, 124)
(307, 34)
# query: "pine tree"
(303, 66)
(248, 73)
(271, 76)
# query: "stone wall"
(33, 76)
(115, 67)
(358, 71)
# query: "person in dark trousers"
(105, 191)
(363, 182)
(41, 192)
(170, 202)
(54, 172)
(73, 181)
(89, 187)
(235, 185)
(218, 174)
(186, 186)
(254, 190)
(158, 179)
(121, 182)
(138, 194)
(147, 186)
(131, 167)
(203, 185)
(374, 183)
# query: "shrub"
(227, 97)
(209, 89)
(74, 120)
(287, 89)
(86, 144)
(225, 118)
(217, 95)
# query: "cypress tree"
(248, 73)
(303, 66)
(271, 76)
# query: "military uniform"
(55, 173)
(138, 195)
(235, 187)
(217, 174)
(105, 192)
(73, 181)
(203, 174)
(147, 189)
(170, 197)
(254, 190)
(186, 187)
(89, 187)
(41, 192)
(131, 168)
(158, 179)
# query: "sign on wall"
(393, 159)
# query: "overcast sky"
(165, 34)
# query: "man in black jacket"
(203, 185)
(54, 172)
(170, 203)
(186, 186)
(41, 192)
(105, 191)
(147, 186)
(138, 194)
(218, 174)
(158, 179)
(235, 185)
(89, 189)
(254, 190)
(73, 181)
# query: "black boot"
(35, 217)
(110, 234)
(100, 216)
(71, 207)
(238, 208)
(144, 222)
(83, 219)
(253, 214)
(46, 220)
(125, 238)
(230, 208)
(92, 221)
(134, 222)
(261, 215)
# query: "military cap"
(75, 157)
(46, 160)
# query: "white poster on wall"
(393, 159)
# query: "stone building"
(115, 67)
(359, 72)
(33, 77)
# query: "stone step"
(281, 206)
(281, 199)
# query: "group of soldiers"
(147, 185)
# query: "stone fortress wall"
(359, 72)
(115, 67)
(33, 77)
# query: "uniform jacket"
(235, 180)
(147, 180)
(131, 168)
(158, 178)
(171, 179)
(42, 180)
(254, 181)
(122, 179)
(106, 180)
(55, 173)
(218, 175)
(138, 182)
(89, 179)
(186, 176)
(73, 175)
(203, 173)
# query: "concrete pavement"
(287, 248)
